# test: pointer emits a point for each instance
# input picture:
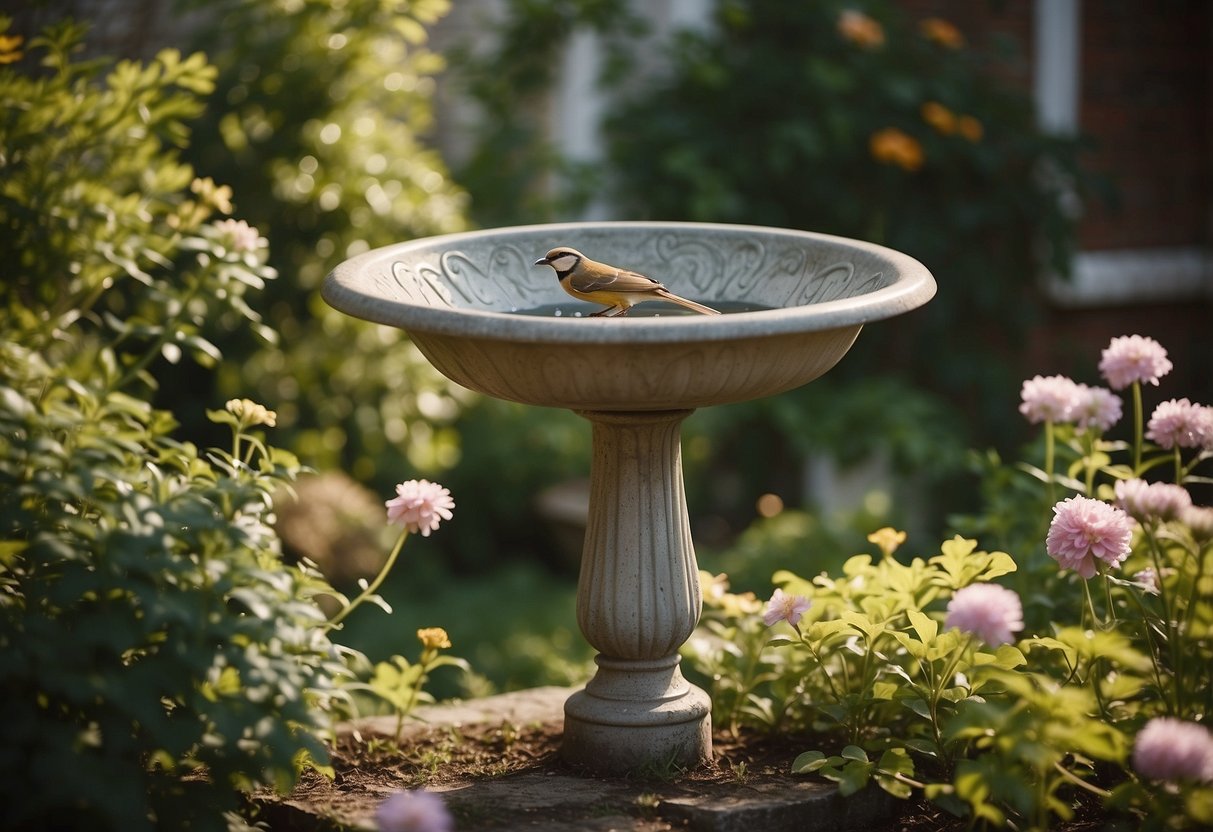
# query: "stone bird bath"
(463, 297)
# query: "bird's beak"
(542, 261)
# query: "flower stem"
(372, 586)
(1137, 428)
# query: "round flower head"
(1096, 407)
(1131, 358)
(1147, 502)
(1172, 749)
(784, 607)
(1180, 422)
(414, 811)
(419, 506)
(1049, 399)
(1199, 520)
(1083, 530)
(239, 235)
(991, 612)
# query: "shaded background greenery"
(321, 120)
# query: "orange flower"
(941, 32)
(9, 51)
(891, 146)
(860, 29)
(970, 128)
(939, 117)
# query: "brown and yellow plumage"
(615, 288)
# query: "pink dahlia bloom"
(1096, 407)
(991, 612)
(1150, 501)
(414, 811)
(1183, 423)
(419, 506)
(1131, 358)
(1172, 749)
(784, 607)
(1048, 399)
(1083, 530)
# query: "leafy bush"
(158, 657)
(319, 119)
(913, 675)
(820, 116)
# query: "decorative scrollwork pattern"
(768, 272)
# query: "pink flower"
(414, 811)
(420, 505)
(1133, 358)
(991, 612)
(1148, 580)
(1146, 502)
(1183, 423)
(1049, 399)
(241, 236)
(1084, 529)
(783, 607)
(1096, 407)
(1172, 749)
(1199, 520)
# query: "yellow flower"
(9, 49)
(887, 539)
(250, 413)
(433, 638)
(941, 32)
(939, 117)
(218, 197)
(736, 606)
(893, 147)
(970, 128)
(860, 29)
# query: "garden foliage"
(158, 657)
(319, 123)
(925, 675)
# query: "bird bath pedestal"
(464, 299)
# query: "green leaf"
(1000, 564)
(854, 752)
(918, 706)
(912, 645)
(870, 629)
(926, 627)
(853, 777)
(809, 761)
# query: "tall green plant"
(156, 654)
(319, 123)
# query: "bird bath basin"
(464, 299)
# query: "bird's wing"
(617, 281)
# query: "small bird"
(618, 289)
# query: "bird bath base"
(637, 602)
(635, 714)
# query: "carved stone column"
(638, 601)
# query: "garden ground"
(496, 762)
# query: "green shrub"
(816, 116)
(318, 122)
(156, 655)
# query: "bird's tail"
(689, 304)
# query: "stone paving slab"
(559, 802)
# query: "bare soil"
(369, 768)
